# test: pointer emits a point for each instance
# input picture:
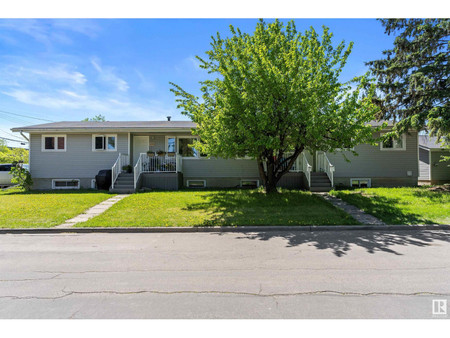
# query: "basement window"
(249, 183)
(360, 182)
(66, 183)
(196, 183)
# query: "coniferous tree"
(413, 79)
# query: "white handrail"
(306, 169)
(137, 170)
(115, 171)
(122, 160)
(327, 167)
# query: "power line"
(9, 139)
(15, 120)
(30, 117)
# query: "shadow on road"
(340, 243)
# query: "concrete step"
(125, 179)
(124, 184)
(320, 179)
(320, 189)
(318, 174)
(321, 184)
(122, 190)
(126, 175)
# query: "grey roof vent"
(168, 118)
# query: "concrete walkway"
(353, 211)
(92, 212)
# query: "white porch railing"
(324, 164)
(306, 168)
(121, 161)
(156, 164)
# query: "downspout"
(26, 138)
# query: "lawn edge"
(302, 228)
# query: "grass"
(19, 209)
(219, 207)
(401, 205)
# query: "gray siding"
(424, 164)
(216, 167)
(440, 171)
(375, 163)
(78, 161)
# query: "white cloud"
(110, 106)
(38, 76)
(107, 76)
(50, 31)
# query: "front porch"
(157, 162)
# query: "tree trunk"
(273, 173)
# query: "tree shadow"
(340, 243)
(63, 192)
(385, 208)
(252, 207)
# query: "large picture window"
(104, 142)
(185, 149)
(53, 142)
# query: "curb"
(295, 228)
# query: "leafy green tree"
(96, 118)
(21, 177)
(413, 78)
(14, 155)
(276, 92)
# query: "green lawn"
(20, 209)
(220, 207)
(401, 205)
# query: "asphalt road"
(357, 274)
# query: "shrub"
(21, 176)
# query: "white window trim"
(188, 181)
(56, 142)
(106, 147)
(178, 146)
(403, 148)
(65, 180)
(362, 178)
(166, 144)
(250, 180)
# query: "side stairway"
(320, 182)
(124, 184)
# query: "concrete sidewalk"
(92, 212)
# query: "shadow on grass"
(62, 191)
(385, 208)
(341, 243)
(253, 207)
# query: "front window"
(170, 144)
(104, 143)
(54, 143)
(185, 148)
(393, 143)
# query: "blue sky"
(63, 70)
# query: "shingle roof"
(125, 125)
(429, 142)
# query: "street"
(324, 274)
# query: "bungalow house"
(432, 169)
(68, 155)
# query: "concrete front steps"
(124, 184)
(320, 182)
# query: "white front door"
(140, 145)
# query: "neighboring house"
(432, 169)
(68, 155)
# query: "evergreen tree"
(413, 78)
